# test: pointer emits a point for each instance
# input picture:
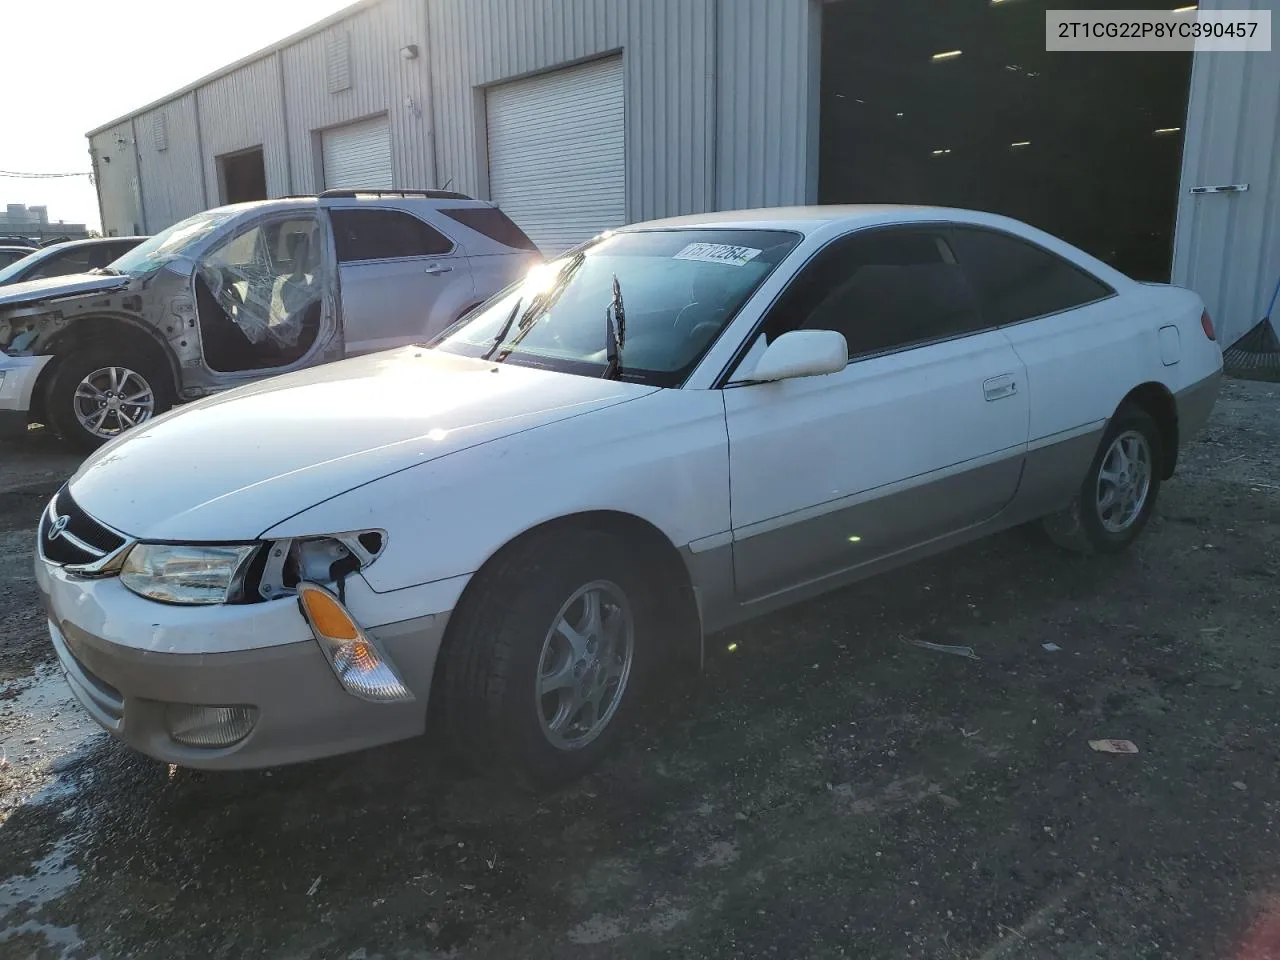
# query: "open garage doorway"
(242, 176)
(958, 104)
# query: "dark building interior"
(244, 176)
(1087, 146)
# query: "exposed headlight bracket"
(322, 560)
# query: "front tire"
(100, 390)
(547, 656)
(1118, 494)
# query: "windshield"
(680, 289)
(171, 242)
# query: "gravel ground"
(824, 790)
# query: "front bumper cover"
(303, 712)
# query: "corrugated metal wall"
(681, 58)
(720, 99)
(768, 97)
(243, 110)
(171, 182)
(116, 172)
(1227, 247)
(382, 82)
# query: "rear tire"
(1118, 494)
(531, 688)
(100, 390)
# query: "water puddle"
(44, 723)
(43, 731)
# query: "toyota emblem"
(56, 528)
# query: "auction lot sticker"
(718, 253)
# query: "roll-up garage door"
(557, 154)
(357, 155)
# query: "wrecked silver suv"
(243, 292)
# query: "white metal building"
(579, 115)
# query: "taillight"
(1206, 324)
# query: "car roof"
(811, 219)
(90, 242)
(384, 198)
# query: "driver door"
(923, 434)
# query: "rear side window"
(883, 290)
(372, 234)
(494, 224)
(75, 260)
(1017, 280)
(116, 250)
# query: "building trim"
(137, 173)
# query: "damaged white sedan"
(678, 426)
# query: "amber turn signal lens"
(326, 615)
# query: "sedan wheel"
(546, 656)
(1123, 482)
(585, 664)
(1119, 491)
(110, 400)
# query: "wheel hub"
(1123, 481)
(110, 400)
(584, 665)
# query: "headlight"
(186, 574)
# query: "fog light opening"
(363, 670)
(194, 725)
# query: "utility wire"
(40, 176)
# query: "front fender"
(663, 458)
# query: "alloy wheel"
(585, 664)
(111, 400)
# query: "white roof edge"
(343, 14)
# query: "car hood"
(56, 288)
(231, 466)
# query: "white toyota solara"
(673, 428)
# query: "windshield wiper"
(615, 333)
(502, 334)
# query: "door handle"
(997, 388)
(436, 269)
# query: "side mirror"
(802, 353)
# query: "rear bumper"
(1195, 403)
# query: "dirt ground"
(825, 789)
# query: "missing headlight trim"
(323, 560)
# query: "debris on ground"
(315, 885)
(1114, 746)
(952, 648)
(1051, 646)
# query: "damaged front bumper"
(18, 376)
(152, 673)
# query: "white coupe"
(675, 427)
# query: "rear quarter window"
(1017, 280)
(494, 224)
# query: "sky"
(89, 61)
